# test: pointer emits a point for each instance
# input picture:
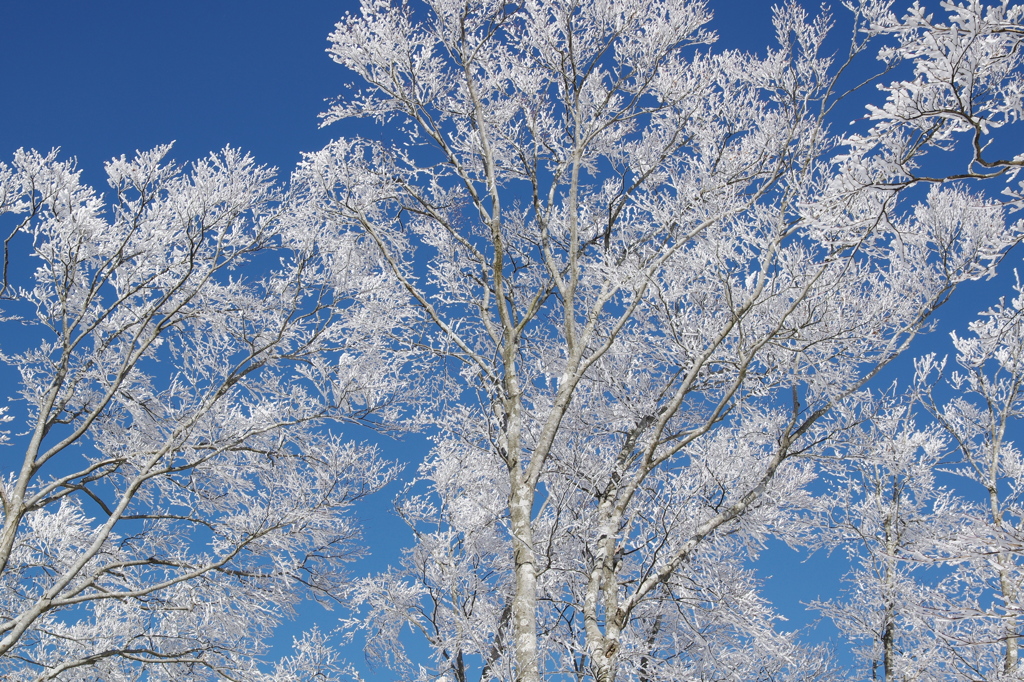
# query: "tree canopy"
(637, 290)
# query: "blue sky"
(106, 77)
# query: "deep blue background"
(105, 78)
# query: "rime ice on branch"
(657, 279)
(173, 489)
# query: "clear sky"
(106, 77)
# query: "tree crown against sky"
(637, 288)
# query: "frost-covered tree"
(653, 281)
(887, 511)
(638, 287)
(986, 550)
(931, 516)
(171, 488)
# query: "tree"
(937, 593)
(989, 401)
(653, 287)
(182, 352)
(888, 513)
(637, 288)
